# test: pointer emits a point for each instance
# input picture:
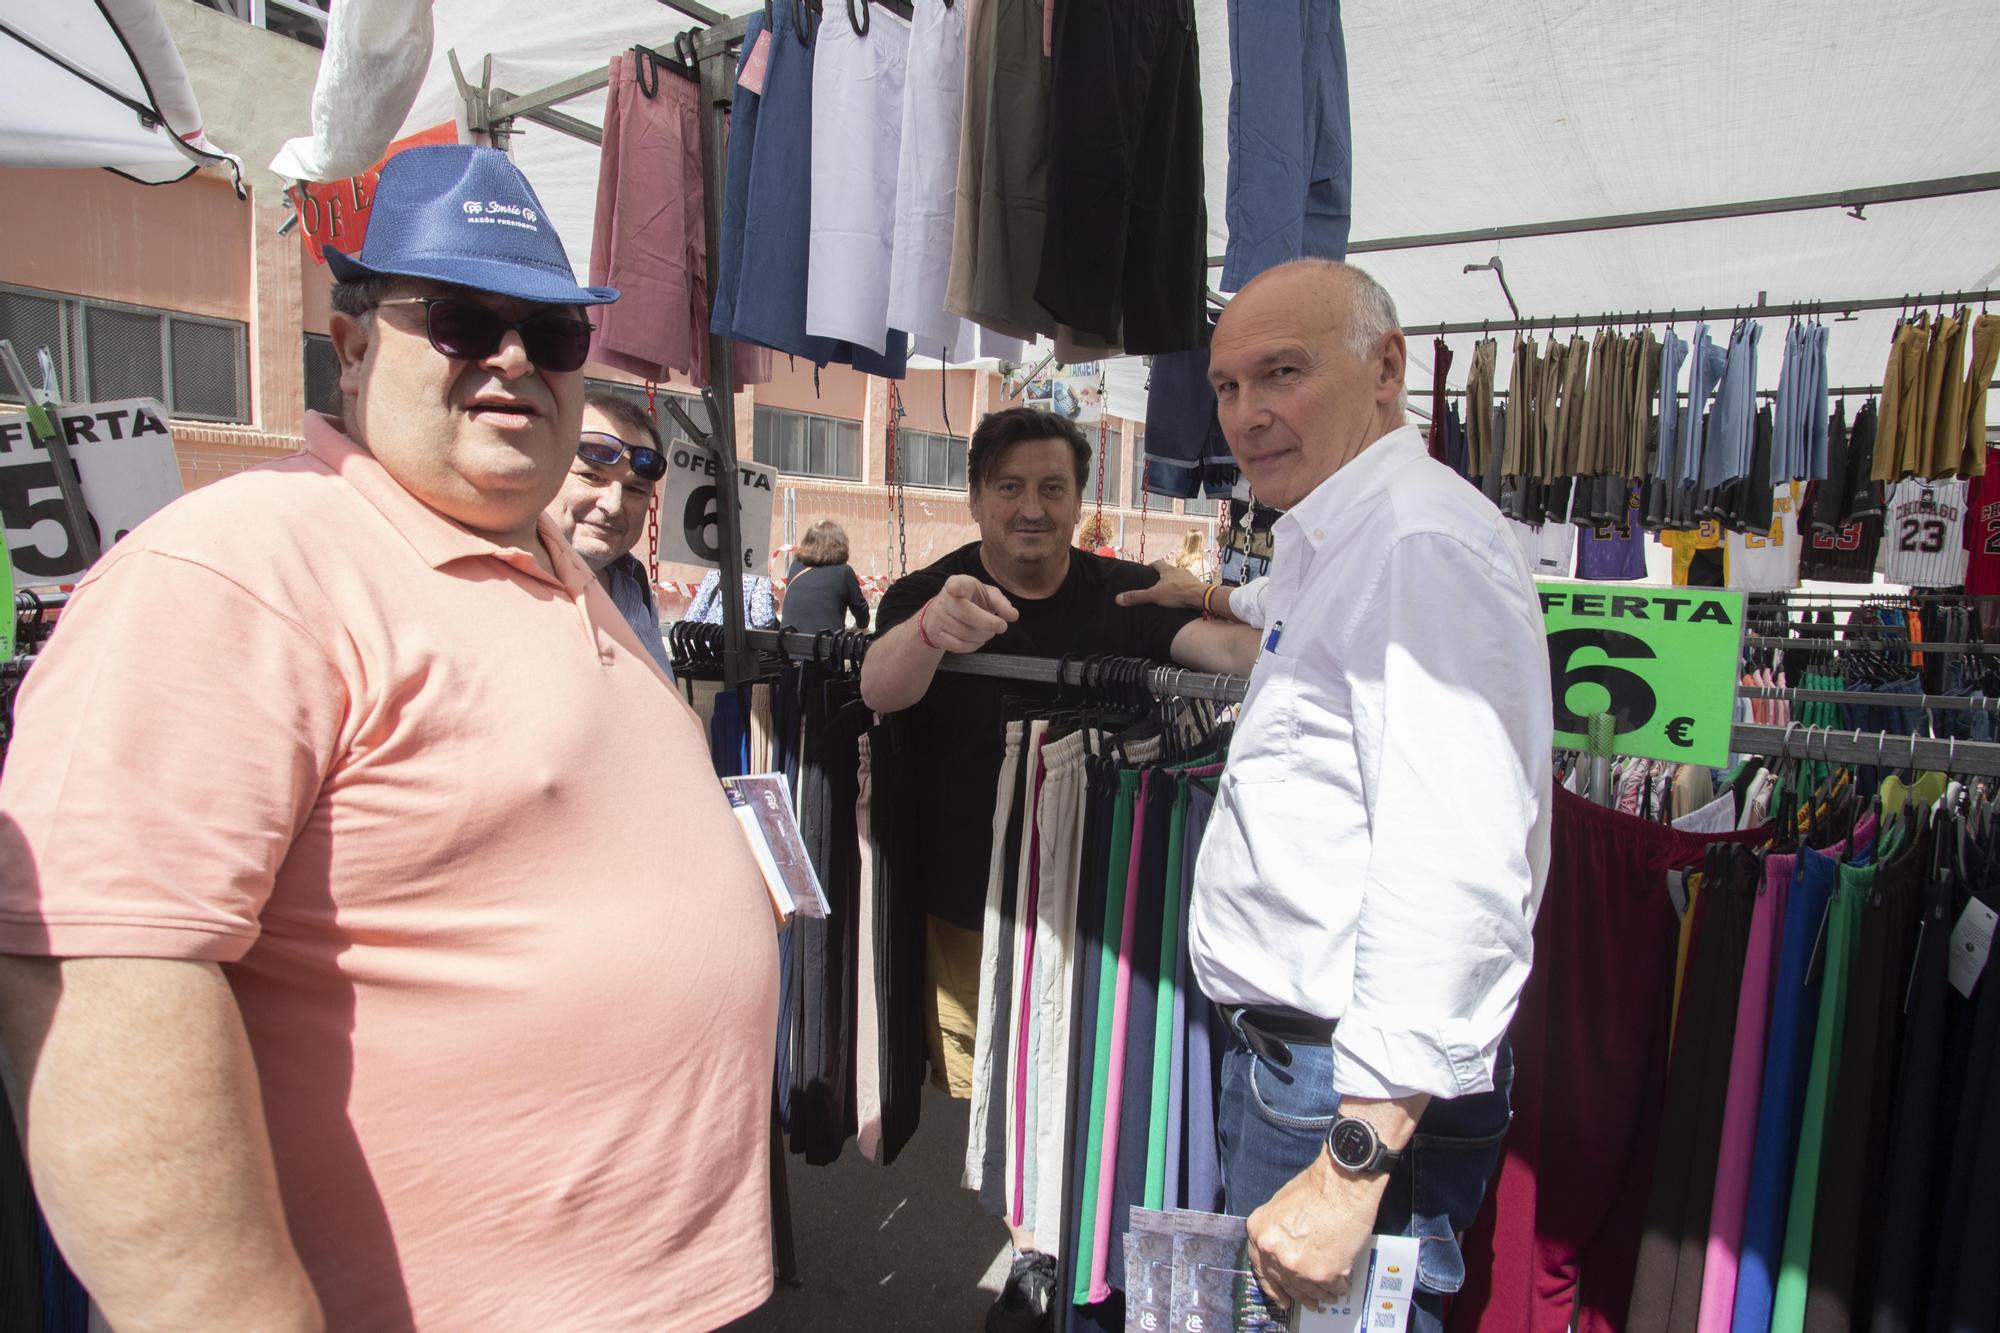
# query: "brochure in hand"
(763, 805)
(1190, 1273)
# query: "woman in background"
(821, 590)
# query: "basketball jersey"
(1982, 529)
(1768, 561)
(1926, 534)
(1684, 543)
(1847, 554)
(1614, 550)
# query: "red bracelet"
(923, 637)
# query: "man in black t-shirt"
(1022, 588)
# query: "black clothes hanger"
(859, 22)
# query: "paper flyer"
(764, 807)
(1190, 1272)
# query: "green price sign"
(1662, 661)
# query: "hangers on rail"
(647, 64)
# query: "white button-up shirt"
(1381, 835)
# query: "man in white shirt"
(1368, 883)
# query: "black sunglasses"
(605, 451)
(467, 331)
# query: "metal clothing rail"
(1798, 599)
(1636, 318)
(1862, 641)
(1863, 698)
(1841, 391)
(1852, 200)
(1881, 748)
(1160, 681)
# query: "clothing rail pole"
(1161, 681)
(1886, 749)
(1843, 391)
(1855, 200)
(1801, 600)
(1864, 644)
(1866, 699)
(1829, 306)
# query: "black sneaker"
(1024, 1303)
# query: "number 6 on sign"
(690, 491)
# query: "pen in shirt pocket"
(1271, 639)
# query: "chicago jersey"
(1925, 533)
(1982, 529)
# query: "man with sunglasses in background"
(337, 987)
(602, 508)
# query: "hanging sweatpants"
(1666, 1286)
(1101, 782)
(1059, 828)
(1846, 1228)
(1965, 1286)
(1589, 1042)
(986, 1144)
(1909, 1213)
(1795, 1001)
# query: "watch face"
(1353, 1144)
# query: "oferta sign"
(1663, 662)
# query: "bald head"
(1308, 366)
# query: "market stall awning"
(99, 83)
(1479, 117)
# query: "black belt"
(1273, 1032)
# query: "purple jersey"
(1613, 551)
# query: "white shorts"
(857, 120)
(927, 196)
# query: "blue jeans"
(1273, 1122)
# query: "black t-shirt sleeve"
(1148, 630)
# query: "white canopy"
(1480, 116)
(99, 83)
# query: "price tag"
(124, 456)
(1971, 942)
(1662, 662)
(691, 510)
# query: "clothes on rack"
(1186, 454)
(1124, 243)
(926, 194)
(762, 271)
(1290, 192)
(650, 238)
(1982, 529)
(1925, 533)
(1929, 395)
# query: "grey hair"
(1371, 314)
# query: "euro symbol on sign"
(1677, 731)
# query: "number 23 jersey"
(1925, 534)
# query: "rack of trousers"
(1749, 1095)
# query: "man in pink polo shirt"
(346, 982)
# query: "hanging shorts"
(857, 112)
(927, 192)
(1125, 245)
(1291, 148)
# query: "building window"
(924, 459)
(322, 375)
(198, 367)
(1141, 498)
(808, 445)
(669, 426)
(1201, 506)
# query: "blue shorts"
(760, 288)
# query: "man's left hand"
(1305, 1241)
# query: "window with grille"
(1141, 497)
(924, 459)
(198, 367)
(809, 445)
(669, 427)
